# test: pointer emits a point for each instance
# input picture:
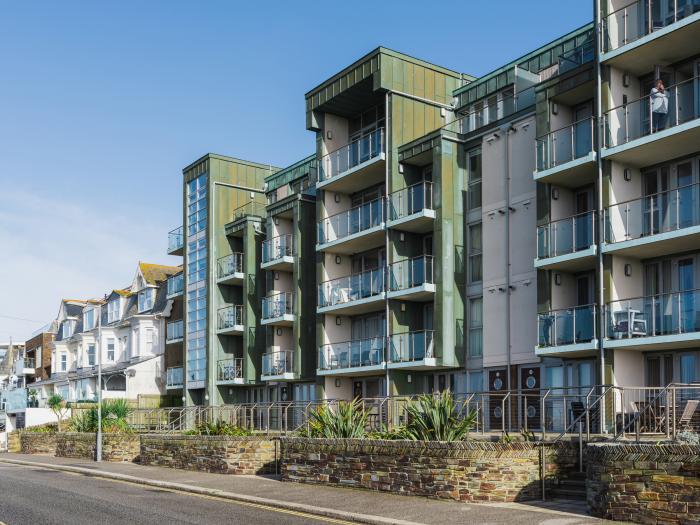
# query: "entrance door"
(530, 385)
(686, 295)
(555, 404)
(497, 383)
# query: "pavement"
(271, 495)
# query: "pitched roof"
(153, 273)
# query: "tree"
(58, 407)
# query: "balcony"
(411, 209)
(636, 136)
(488, 112)
(566, 156)
(412, 279)
(229, 269)
(413, 350)
(365, 156)
(175, 331)
(174, 378)
(354, 294)
(176, 241)
(643, 33)
(278, 366)
(230, 320)
(278, 253)
(655, 322)
(567, 244)
(278, 309)
(175, 285)
(230, 372)
(25, 366)
(353, 358)
(354, 230)
(659, 224)
(570, 332)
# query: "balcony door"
(584, 223)
(583, 130)
(367, 346)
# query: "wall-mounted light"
(206, 397)
(279, 331)
(557, 279)
(628, 174)
(409, 379)
(555, 194)
(338, 320)
(277, 276)
(626, 79)
(400, 168)
(628, 270)
(555, 108)
(403, 307)
(329, 135)
(277, 221)
(230, 391)
(337, 382)
(402, 237)
(252, 195)
(336, 197)
(443, 112)
(338, 259)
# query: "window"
(111, 345)
(197, 205)
(146, 299)
(136, 343)
(113, 311)
(688, 365)
(474, 186)
(90, 355)
(476, 381)
(475, 249)
(63, 366)
(150, 339)
(476, 327)
(67, 329)
(88, 320)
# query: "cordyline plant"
(114, 417)
(58, 407)
(347, 420)
(437, 418)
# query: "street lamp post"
(98, 345)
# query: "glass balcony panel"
(277, 247)
(278, 363)
(351, 354)
(174, 376)
(229, 369)
(566, 236)
(662, 212)
(411, 272)
(412, 346)
(352, 155)
(352, 221)
(565, 327)
(175, 239)
(662, 314)
(566, 144)
(230, 317)
(175, 330)
(175, 284)
(229, 265)
(413, 199)
(278, 305)
(351, 288)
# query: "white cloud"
(54, 248)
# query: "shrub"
(436, 418)
(219, 428)
(347, 420)
(43, 429)
(688, 437)
(114, 418)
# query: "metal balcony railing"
(565, 236)
(352, 221)
(229, 265)
(277, 247)
(230, 317)
(411, 346)
(566, 326)
(175, 239)
(174, 377)
(352, 155)
(351, 288)
(251, 208)
(410, 273)
(638, 118)
(661, 212)
(566, 144)
(229, 369)
(414, 199)
(351, 354)
(175, 284)
(638, 19)
(278, 305)
(278, 363)
(175, 330)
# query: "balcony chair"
(686, 419)
(629, 323)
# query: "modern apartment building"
(531, 229)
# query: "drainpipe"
(601, 218)
(507, 130)
(387, 167)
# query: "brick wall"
(42, 443)
(219, 454)
(115, 447)
(464, 471)
(651, 484)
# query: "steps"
(573, 487)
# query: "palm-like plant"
(437, 418)
(347, 420)
(58, 407)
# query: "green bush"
(219, 428)
(436, 418)
(43, 429)
(688, 437)
(114, 418)
(347, 420)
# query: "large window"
(111, 349)
(475, 248)
(150, 339)
(113, 311)
(89, 319)
(90, 353)
(476, 322)
(197, 260)
(146, 299)
(197, 205)
(474, 186)
(63, 366)
(67, 329)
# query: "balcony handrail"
(651, 296)
(652, 195)
(348, 144)
(648, 29)
(425, 183)
(283, 235)
(569, 218)
(428, 350)
(349, 210)
(350, 276)
(626, 6)
(273, 295)
(376, 337)
(568, 309)
(172, 330)
(234, 311)
(224, 367)
(275, 359)
(666, 89)
(278, 247)
(543, 137)
(514, 96)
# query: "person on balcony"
(659, 106)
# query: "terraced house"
(530, 230)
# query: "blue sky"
(103, 104)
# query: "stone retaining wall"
(651, 484)
(115, 447)
(219, 454)
(42, 443)
(463, 471)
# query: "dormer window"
(67, 329)
(88, 320)
(146, 299)
(113, 308)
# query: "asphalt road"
(34, 496)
